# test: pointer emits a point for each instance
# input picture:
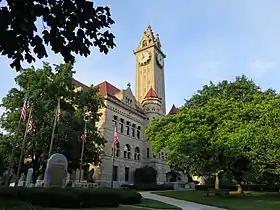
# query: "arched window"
(144, 43)
(127, 151)
(117, 150)
(137, 153)
(162, 155)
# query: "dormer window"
(144, 43)
(128, 101)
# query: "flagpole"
(11, 159)
(82, 160)
(52, 137)
(113, 162)
(22, 147)
(83, 148)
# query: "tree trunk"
(217, 179)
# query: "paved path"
(179, 203)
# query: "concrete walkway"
(179, 203)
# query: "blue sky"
(204, 40)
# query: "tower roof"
(151, 94)
(173, 110)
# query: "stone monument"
(21, 180)
(56, 171)
(29, 177)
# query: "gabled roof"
(151, 94)
(173, 110)
(105, 88)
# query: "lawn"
(149, 203)
(145, 203)
(248, 201)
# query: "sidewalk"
(185, 205)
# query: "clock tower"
(150, 68)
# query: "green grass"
(145, 203)
(248, 201)
(149, 203)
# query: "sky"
(204, 40)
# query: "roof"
(151, 94)
(105, 88)
(173, 110)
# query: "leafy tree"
(45, 87)
(67, 26)
(218, 130)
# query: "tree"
(45, 87)
(67, 26)
(212, 133)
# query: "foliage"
(71, 197)
(66, 26)
(145, 175)
(45, 87)
(151, 187)
(229, 127)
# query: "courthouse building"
(131, 113)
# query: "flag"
(58, 111)
(116, 138)
(84, 136)
(24, 108)
(30, 125)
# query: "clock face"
(160, 59)
(143, 58)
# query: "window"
(121, 125)
(138, 132)
(126, 153)
(166, 156)
(148, 152)
(127, 128)
(115, 173)
(137, 153)
(133, 130)
(154, 155)
(144, 43)
(162, 155)
(117, 150)
(126, 174)
(114, 121)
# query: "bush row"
(262, 188)
(222, 187)
(258, 188)
(71, 198)
(149, 187)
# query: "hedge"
(258, 188)
(222, 187)
(71, 197)
(151, 187)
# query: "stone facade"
(132, 114)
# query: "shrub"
(152, 187)
(262, 188)
(70, 197)
(145, 175)
(222, 187)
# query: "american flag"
(84, 136)
(30, 125)
(116, 138)
(24, 108)
(58, 113)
